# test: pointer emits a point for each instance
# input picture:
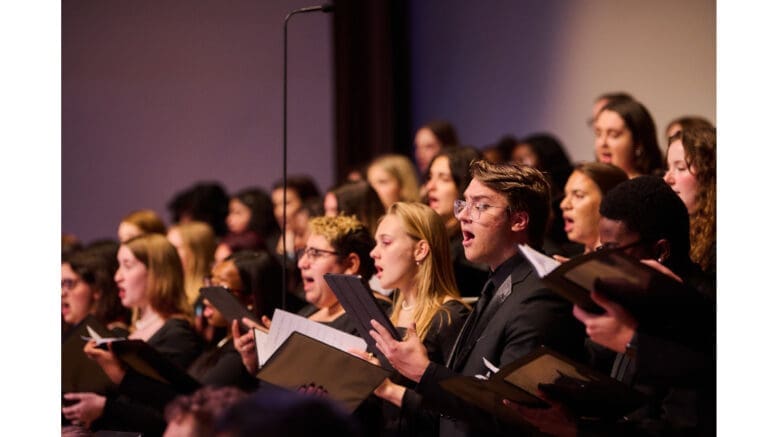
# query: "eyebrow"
(479, 197)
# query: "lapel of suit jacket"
(521, 271)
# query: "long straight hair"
(165, 276)
(434, 279)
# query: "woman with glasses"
(446, 179)
(88, 288)
(339, 244)
(583, 194)
(412, 256)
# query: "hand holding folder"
(302, 361)
(546, 375)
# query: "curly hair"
(347, 235)
(699, 143)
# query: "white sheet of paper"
(284, 323)
(93, 335)
(542, 263)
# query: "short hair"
(459, 159)
(648, 206)
(206, 202)
(525, 188)
(401, 168)
(96, 265)
(359, 199)
(347, 235)
(604, 175)
(146, 220)
(443, 131)
(262, 220)
(646, 154)
(165, 274)
(205, 405)
(260, 273)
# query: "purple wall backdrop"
(158, 95)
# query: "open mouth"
(605, 158)
(65, 308)
(568, 224)
(467, 237)
(378, 271)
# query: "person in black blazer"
(505, 205)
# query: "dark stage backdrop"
(158, 95)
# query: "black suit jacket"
(523, 315)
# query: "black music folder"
(302, 360)
(146, 360)
(642, 290)
(227, 304)
(546, 374)
(360, 304)
(79, 372)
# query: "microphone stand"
(322, 8)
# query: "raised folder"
(227, 304)
(362, 306)
(545, 374)
(302, 360)
(643, 291)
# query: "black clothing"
(470, 276)
(521, 316)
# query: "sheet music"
(284, 323)
(93, 335)
(542, 263)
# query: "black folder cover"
(145, 360)
(359, 303)
(79, 372)
(302, 360)
(642, 290)
(547, 374)
(227, 304)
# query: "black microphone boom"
(323, 8)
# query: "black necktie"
(472, 321)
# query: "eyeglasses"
(314, 253)
(475, 209)
(69, 284)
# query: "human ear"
(520, 221)
(352, 264)
(662, 250)
(421, 251)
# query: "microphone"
(323, 8)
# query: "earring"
(638, 151)
(418, 263)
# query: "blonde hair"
(347, 235)
(401, 168)
(146, 220)
(434, 280)
(165, 276)
(200, 244)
